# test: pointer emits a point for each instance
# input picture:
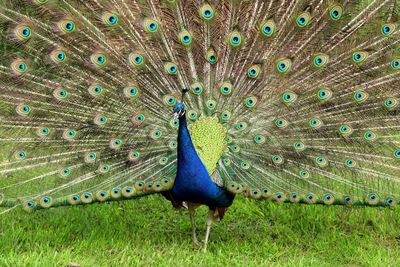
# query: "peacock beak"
(178, 114)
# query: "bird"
(292, 102)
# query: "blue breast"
(192, 182)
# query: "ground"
(148, 232)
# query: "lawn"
(149, 232)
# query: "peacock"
(200, 101)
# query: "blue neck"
(187, 155)
(192, 182)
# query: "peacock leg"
(192, 211)
(210, 220)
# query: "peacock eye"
(26, 32)
(66, 26)
(225, 115)
(235, 148)
(185, 38)
(235, 39)
(391, 103)
(99, 59)
(303, 19)
(304, 174)
(250, 102)
(150, 25)
(299, 146)
(350, 163)
(211, 104)
(69, 26)
(321, 161)
(192, 115)
(163, 160)
(197, 88)
(345, 130)
(131, 91)
(21, 155)
(227, 162)
(395, 64)
(324, 94)
(388, 29)
(206, 12)
(241, 125)
(281, 123)
(110, 19)
(259, 139)
(315, 123)
(277, 159)
(211, 56)
(283, 65)
(245, 165)
(268, 28)
(289, 97)
(169, 100)
(23, 32)
(19, 67)
(360, 56)
(335, 12)
(155, 134)
(171, 68)
(136, 59)
(61, 56)
(320, 60)
(254, 71)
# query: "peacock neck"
(186, 150)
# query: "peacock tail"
(294, 101)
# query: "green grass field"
(149, 232)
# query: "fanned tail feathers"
(304, 93)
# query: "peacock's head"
(179, 110)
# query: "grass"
(149, 232)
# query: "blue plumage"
(193, 183)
